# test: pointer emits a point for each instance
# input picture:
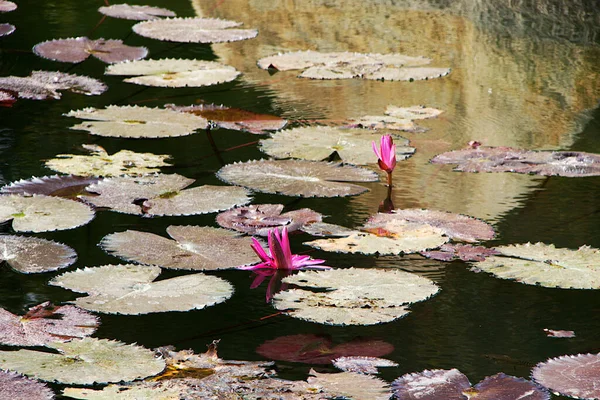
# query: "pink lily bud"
(387, 154)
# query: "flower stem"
(389, 179)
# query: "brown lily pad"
(33, 255)
(18, 387)
(76, 50)
(6, 29)
(43, 85)
(54, 185)
(572, 376)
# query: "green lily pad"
(193, 30)
(351, 385)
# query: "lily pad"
(136, 122)
(234, 118)
(43, 85)
(507, 159)
(7, 97)
(545, 265)
(559, 333)
(17, 387)
(320, 142)
(162, 194)
(464, 252)
(170, 72)
(44, 324)
(193, 248)
(6, 29)
(354, 65)
(413, 113)
(351, 385)
(298, 177)
(85, 362)
(129, 289)
(7, 6)
(353, 296)
(456, 226)
(100, 163)
(76, 50)
(53, 185)
(319, 349)
(43, 213)
(362, 365)
(32, 255)
(193, 30)
(326, 229)
(259, 219)
(134, 12)
(573, 376)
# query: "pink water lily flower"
(386, 155)
(280, 256)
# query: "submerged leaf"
(193, 248)
(193, 30)
(76, 50)
(136, 122)
(17, 387)
(54, 185)
(544, 265)
(133, 12)
(42, 85)
(353, 296)
(100, 163)
(362, 365)
(259, 219)
(39, 213)
(573, 376)
(129, 289)
(351, 385)
(319, 143)
(32, 255)
(45, 324)
(6, 29)
(297, 177)
(84, 362)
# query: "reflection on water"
(523, 75)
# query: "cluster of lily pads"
(301, 164)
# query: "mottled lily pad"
(464, 252)
(43, 85)
(84, 362)
(573, 376)
(170, 72)
(298, 177)
(362, 365)
(17, 387)
(129, 289)
(259, 219)
(136, 122)
(353, 296)
(319, 349)
(351, 385)
(193, 248)
(43, 213)
(7, 6)
(234, 118)
(507, 159)
(134, 12)
(545, 265)
(54, 185)
(76, 50)
(193, 30)
(100, 163)
(32, 255)
(162, 194)
(6, 29)
(320, 142)
(44, 324)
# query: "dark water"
(520, 78)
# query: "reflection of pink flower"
(386, 154)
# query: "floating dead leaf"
(6, 29)
(456, 226)
(351, 385)
(573, 376)
(54, 185)
(193, 30)
(7, 6)
(162, 194)
(353, 296)
(17, 387)
(259, 219)
(193, 248)
(326, 229)
(32, 255)
(559, 333)
(76, 50)
(362, 365)
(507, 159)
(354, 65)
(545, 265)
(134, 12)
(84, 362)
(298, 177)
(319, 349)
(464, 252)
(44, 324)
(234, 118)
(131, 289)
(39, 213)
(100, 163)
(320, 142)
(136, 122)
(170, 72)
(43, 85)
